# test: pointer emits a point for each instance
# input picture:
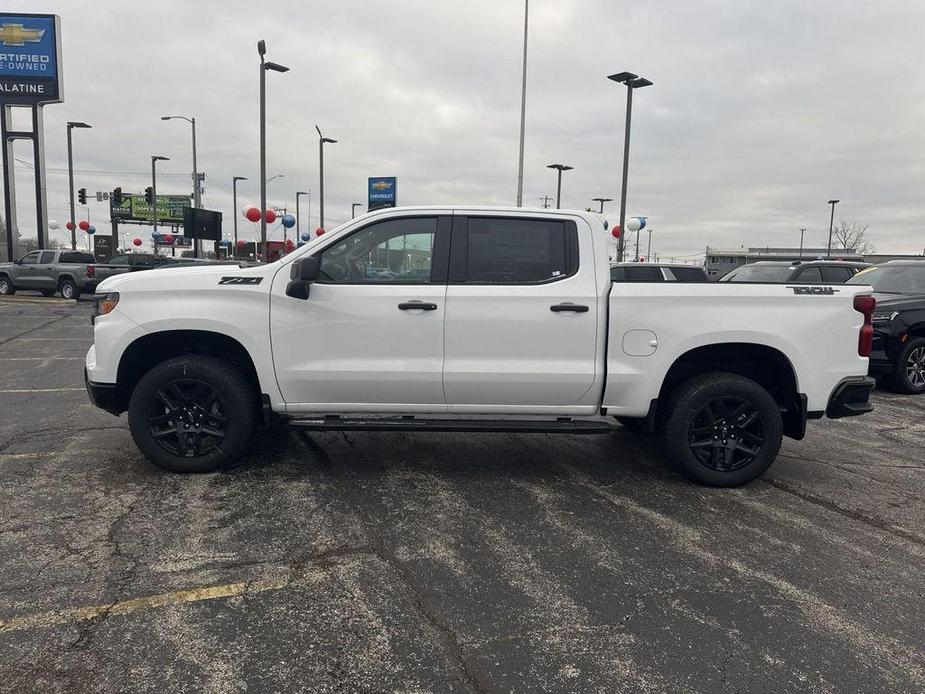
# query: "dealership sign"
(30, 59)
(382, 192)
(135, 208)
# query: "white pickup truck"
(474, 320)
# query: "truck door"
(521, 314)
(371, 331)
(26, 274)
(45, 271)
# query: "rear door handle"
(576, 308)
(417, 306)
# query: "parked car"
(50, 271)
(139, 261)
(656, 272)
(899, 322)
(796, 272)
(515, 327)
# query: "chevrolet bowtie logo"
(381, 185)
(18, 35)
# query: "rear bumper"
(851, 397)
(103, 395)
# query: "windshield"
(893, 279)
(759, 273)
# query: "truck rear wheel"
(724, 430)
(69, 289)
(192, 414)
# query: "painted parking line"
(12, 301)
(53, 339)
(42, 358)
(175, 597)
(40, 390)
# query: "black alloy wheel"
(915, 367)
(187, 418)
(726, 434)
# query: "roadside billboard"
(383, 192)
(134, 208)
(30, 59)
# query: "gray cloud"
(759, 114)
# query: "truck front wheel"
(192, 414)
(724, 430)
(6, 286)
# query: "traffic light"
(117, 197)
(149, 195)
(82, 196)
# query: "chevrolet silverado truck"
(473, 320)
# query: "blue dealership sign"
(382, 192)
(30, 59)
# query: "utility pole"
(523, 113)
(154, 159)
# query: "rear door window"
(77, 257)
(836, 275)
(47, 258)
(502, 250)
(809, 275)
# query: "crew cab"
(473, 319)
(899, 324)
(49, 271)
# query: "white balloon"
(53, 225)
(245, 208)
(633, 224)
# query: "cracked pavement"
(393, 562)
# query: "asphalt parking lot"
(444, 563)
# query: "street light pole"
(828, 253)
(322, 140)
(649, 249)
(632, 82)
(802, 231)
(560, 168)
(353, 209)
(602, 201)
(264, 66)
(154, 159)
(523, 113)
(234, 209)
(70, 175)
(298, 226)
(197, 189)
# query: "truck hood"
(178, 277)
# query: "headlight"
(104, 305)
(885, 317)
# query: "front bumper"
(103, 395)
(851, 397)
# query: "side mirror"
(302, 274)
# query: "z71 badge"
(814, 291)
(240, 280)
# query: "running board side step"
(485, 426)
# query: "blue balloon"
(642, 223)
(306, 236)
(91, 229)
(288, 221)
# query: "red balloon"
(84, 224)
(616, 232)
(70, 226)
(319, 231)
(252, 214)
(270, 216)
(289, 244)
(242, 244)
(137, 242)
(168, 238)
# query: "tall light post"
(632, 82)
(154, 159)
(353, 208)
(523, 113)
(298, 226)
(602, 201)
(276, 67)
(802, 231)
(70, 176)
(234, 208)
(828, 253)
(197, 190)
(649, 249)
(322, 141)
(559, 168)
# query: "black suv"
(899, 322)
(796, 271)
(656, 272)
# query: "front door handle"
(417, 306)
(576, 308)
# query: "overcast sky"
(761, 111)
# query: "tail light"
(866, 306)
(91, 271)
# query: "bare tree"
(852, 235)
